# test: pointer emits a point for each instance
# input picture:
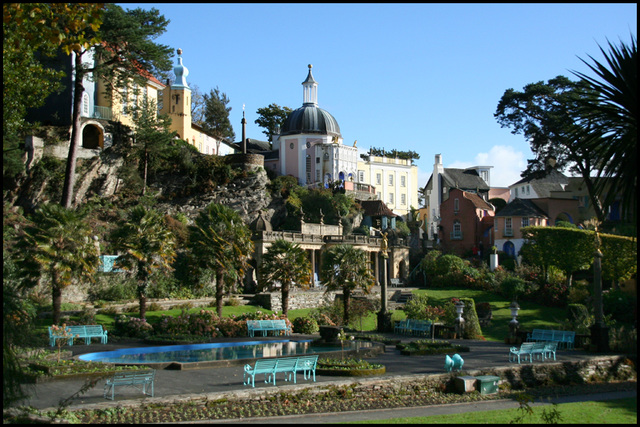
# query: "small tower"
(177, 101)
(310, 91)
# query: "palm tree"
(611, 123)
(58, 246)
(145, 245)
(288, 264)
(220, 242)
(346, 267)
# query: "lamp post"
(514, 325)
(384, 317)
(459, 321)
(599, 331)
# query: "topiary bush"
(303, 325)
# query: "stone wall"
(297, 299)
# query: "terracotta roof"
(477, 201)
(376, 208)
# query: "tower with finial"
(177, 102)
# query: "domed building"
(309, 144)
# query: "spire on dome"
(181, 73)
(310, 89)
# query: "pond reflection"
(217, 351)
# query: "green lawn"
(619, 411)
(531, 315)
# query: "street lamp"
(384, 317)
(459, 321)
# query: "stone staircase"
(399, 299)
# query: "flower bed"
(349, 367)
(424, 347)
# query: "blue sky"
(416, 76)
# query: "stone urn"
(330, 333)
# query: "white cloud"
(507, 164)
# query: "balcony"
(508, 232)
(104, 113)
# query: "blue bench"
(289, 366)
(85, 332)
(565, 339)
(541, 350)
(131, 379)
(413, 327)
(277, 327)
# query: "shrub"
(132, 327)
(303, 325)
(418, 308)
(512, 287)
(621, 306)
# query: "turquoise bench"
(138, 380)
(289, 366)
(413, 327)
(85, 332)
(541, 350)
(565, 339)
(277, 327)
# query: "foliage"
(128, 326)
(419, 308)
(145, 245)
(283, 185)
(307, 326)
(512, 287)
(620, 305)
(125, 55)
(568, 249)
(151, 137)
(346, 267)
(272, 117)
(216, 116)
(548, 114)
(57, 245)
(619, 257)
(426, 346)
(472, 330)
(220, 242)
(285, 263)
(405, 155)
(611, 123)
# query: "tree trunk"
(56, 302)
(219, 293)
(285, 299)
(346, 297)
(76, 135)
(146, 167)
(142, 298)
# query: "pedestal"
(600, 338)
(384, 322)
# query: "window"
(390, 179)
(456, 234)
(85, 105)
(508, 227)
(378, 179)
(516, 191)
(390, 198)
(525, 222)
(403, 181)
(360, 176)
(456, 205)
(403, 199)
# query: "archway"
(563, 216)
(92, 137)
(509, 249)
